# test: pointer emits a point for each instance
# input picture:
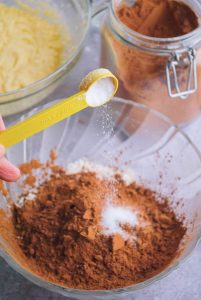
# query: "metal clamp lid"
(176, 61)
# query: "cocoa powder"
(158, 18)
(62, 239)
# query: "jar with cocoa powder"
(154, 47)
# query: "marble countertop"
(182, 284)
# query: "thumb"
(8, 172)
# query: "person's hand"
(8, 172)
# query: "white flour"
(102, 172)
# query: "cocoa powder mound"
(159, 18)
(61, 235)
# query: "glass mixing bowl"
(160, 154)
(75, 14)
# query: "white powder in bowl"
(101, 171)
(113, 217)
(83, 165)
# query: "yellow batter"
(30, 48)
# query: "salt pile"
(114, 217)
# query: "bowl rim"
(45, 80)
(71, 292)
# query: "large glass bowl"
(75, 15)
(160, 154)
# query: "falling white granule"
(113, 217)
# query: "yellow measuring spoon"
(96, 89)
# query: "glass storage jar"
(163, 73)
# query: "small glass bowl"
(76, 16)
(161, 156)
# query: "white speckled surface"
(182, 284)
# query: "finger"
(2, 126)
(8, 172)
(2, 151)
